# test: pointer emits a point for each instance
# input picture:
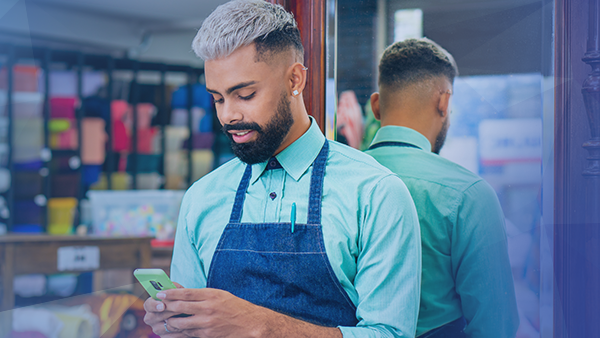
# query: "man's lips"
(242, 136)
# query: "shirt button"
(273, 195)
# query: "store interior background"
(501, 126)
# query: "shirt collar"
(402, 134)
(298, 156)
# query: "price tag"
(78, 258)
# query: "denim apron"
(455, 328)
(269, 265)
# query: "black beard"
(269, 137)
(441, 138)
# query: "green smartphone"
(154, 281)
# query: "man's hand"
(217, 313)
(156, 315)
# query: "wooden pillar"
(577, 169)
(311, 16)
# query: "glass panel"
(502, 125)
(497, 133)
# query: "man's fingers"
(187, 307)
(152, 305)
(179, 286)
(169, 328)
(156, 312)
(197, 295)
(165, 330)
(184, 323)
(152, 318)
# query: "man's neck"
(300, 126)
(422, 126)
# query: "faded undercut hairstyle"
(240, 23)
(414, 60)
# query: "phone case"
(153, 280)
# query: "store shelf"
(78, 63)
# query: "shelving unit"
(80, 62)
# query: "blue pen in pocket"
(293, 216)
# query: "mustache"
(242, 126)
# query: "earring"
(295, 92)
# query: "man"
(293, 238)
(466, 273)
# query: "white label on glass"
(78, 258)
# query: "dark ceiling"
(488, 37)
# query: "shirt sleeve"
(388, 277)
(186, 268)
(481, 267)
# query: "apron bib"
(268, 265)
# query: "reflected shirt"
(367, 213)
(466, 271)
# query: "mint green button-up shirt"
(369, 224)
(466, 271)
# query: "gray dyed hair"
(240, 23)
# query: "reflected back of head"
(413, 61)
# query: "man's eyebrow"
(239, 86)
(212, 91)
(232, 89)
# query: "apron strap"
(314, 199)
(392, 144)
(240, 195)
(316, 186)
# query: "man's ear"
(297, 79)
(375, 106)
(444, 103)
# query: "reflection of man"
(466, 274)
(294, 237)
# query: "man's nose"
(228, 113)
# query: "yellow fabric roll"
(74, 326)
